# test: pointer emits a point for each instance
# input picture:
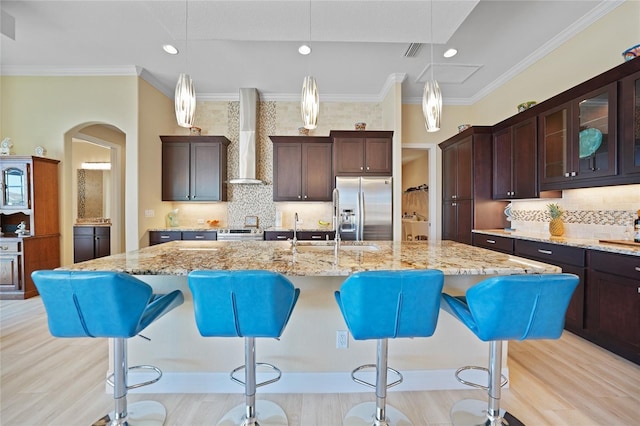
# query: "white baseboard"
(425, 380)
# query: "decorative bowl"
(631, 53)
(303, 131)
(195, 131)
(463, 127)
(361, 126)
(590, 140)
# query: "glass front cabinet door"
(15, 186)
(630, 123)
(578, 139)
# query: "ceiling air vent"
(412, 50)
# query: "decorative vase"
(556, 227)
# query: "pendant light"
(310, 103)
(432, 96)
(185, 95)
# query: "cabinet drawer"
(551, 253)
(200, 235)
(102, 231)
(492, 242)
(83, 230)
(278, 235)
(316, 235)
(157, 237)
(9, 247)
(615, 264)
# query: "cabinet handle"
(567, 174)
(361, 167)
(574, 173)
(281, 237)
(454, 204)
(454, 196)
(638, 268)
(199, 237)
(368, 167)
(305, 197)
(299, 197)
(164, 237)
(316, 237)
(545, 251)
(491, 241)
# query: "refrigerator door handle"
(361, 216)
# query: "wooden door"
(524, 157)
(175, 171)
(378, 156)
(287, 171)
(348, 155)
(502, 164)
(205, 175)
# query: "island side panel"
(306, 352)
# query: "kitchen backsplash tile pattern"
(274, 118)
(599, 213)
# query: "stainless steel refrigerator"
(365, 208)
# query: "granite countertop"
(313, 259)
(587, 243)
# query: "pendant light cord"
(431, 34)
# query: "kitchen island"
(306, 352)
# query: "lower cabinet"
(572, 260)
(91, 242)
(19, 257)
(159, 237)
(612, 317)
(302, 235)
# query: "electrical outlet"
(342, 339)
(149, 213)
(200, 221)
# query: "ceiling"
(358, 47)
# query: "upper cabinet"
(630, 124)
(15, 185)
(578, 139)
(514, 161)
(302, 168)
(194, 168)
(361, 153)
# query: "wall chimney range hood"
(247, 145)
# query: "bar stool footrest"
(372, 385)
(139, 367)
(473, 384)
(258, 364)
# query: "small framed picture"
(251, 221)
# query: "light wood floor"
(50, 381)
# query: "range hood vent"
(247, 146)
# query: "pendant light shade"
(310, 103)
(185, 99)
(432, 105)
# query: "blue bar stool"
(514, 307)
(246, 304)
(112, 305)
(386, 305)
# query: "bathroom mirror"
(91, 193)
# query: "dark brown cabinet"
(194, 168)
(30, 195)
(613, 305)
(515, 173)
(361, 153)
(578, 140)
(91, 242)
(302, 168)
(572, 260)
(466, 185)
(629, 113)
(159, 237)
(493, 242)
(302, 235)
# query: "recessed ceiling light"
(304, 49)
(170, 49)
(450, 53)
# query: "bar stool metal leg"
(147, 413)
(252, 412)
(471, 412)
(378, 413)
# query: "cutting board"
(622, 242)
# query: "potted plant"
(556, 226)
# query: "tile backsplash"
(598, 213)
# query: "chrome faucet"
(295, 231)
(335, 198)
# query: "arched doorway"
(94, 143)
